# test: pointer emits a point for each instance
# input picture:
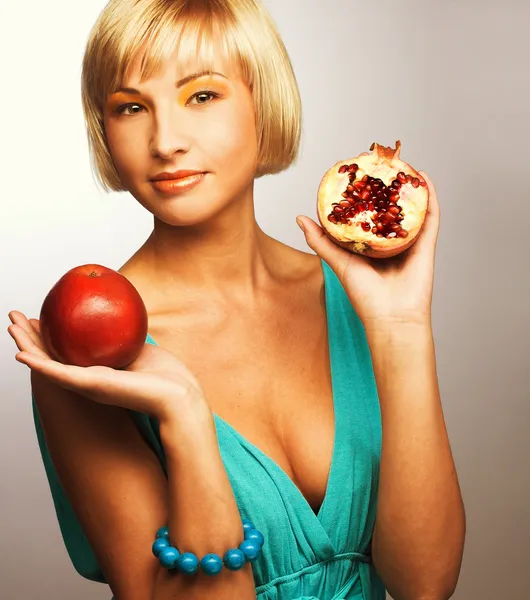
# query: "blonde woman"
(281, 434)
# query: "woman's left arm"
(418, 538)
(419, 532)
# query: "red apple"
(94, 316)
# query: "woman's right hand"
(155, 383)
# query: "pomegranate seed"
(344, 203)
(352, 168)
(394, 197)
(365, 226)
(416, 182)
(344, 194)
(359, 185)
(332, 218)
(395, 210)
(337, 209)
(343, 169)
(374, 229)
(370, 205)
(349, 189)
(379, 234)
(366, 178)
(409, 178)
(395, 227)
(380, 227)
(359, 207)
(402, 178)
(365, 195)
(423, 183)
(403, 233)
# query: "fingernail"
(300, 224)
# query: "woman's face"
(183, 121)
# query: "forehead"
(184, 47)
(176, 65)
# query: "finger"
(35, 323)
(336, 257)
(21, 320)
(432, 221)
(25, 342)
(67, 376)
(425, 246)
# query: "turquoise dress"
(307, 555)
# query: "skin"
(218, 290)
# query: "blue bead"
(255, 536)
(163, 532)
(234, 559)
(168, 557)
(158, 545)
(188, 563)
(211, 564)
(247, 525)
(250, 549)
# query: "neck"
(228, 253)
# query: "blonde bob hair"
(242, 30)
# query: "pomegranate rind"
(383, 163)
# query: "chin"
(187, 212)
(194, 207)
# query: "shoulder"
(292, 264)
(300, 271)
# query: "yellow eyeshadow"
(120, 98)
(203, 84)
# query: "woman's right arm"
(121, 496)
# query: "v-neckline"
(281, 472)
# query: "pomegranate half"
(373, 204)
(94, 316)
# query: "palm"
(149, 384)
(399, 288)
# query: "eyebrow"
(178, 84)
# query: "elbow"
(423, 583)
(444, 590)
(440, 590)
(444, 593)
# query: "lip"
(180, 174)
(170, 184)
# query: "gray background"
(451, 80)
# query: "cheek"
(236, 138)
(123, 150)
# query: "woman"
(295, 390)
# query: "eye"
(203, 97)
(121, 109)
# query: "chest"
(269, 378)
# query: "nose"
(168, 137)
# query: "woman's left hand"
(385, 291)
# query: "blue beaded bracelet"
(211, 564)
